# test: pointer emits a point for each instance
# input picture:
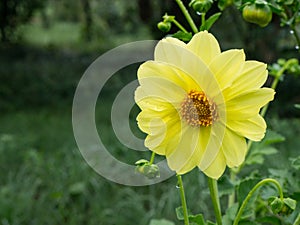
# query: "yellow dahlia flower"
(198, 104)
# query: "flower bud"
(258, 13)
(164, 26)
(276, 205)
(149, 170)
(201, 6)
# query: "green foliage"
(261, 149)
(15, 13)
(161, 222)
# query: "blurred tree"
(14, 13)
(87, 20)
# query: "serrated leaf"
(161, 222)
(183, 36)
(210, 21)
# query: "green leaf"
(260, 150)
(179, 213)
(226, 187)
(296, 162)
(297, 106)
(242, 191)
(183, 36)
(269, 220)
(230, 214)
(291, 203)
(161, 222)
(197, 219)
(210, 21)
(194, 219)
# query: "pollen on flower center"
(198, 110)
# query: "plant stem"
(297, 221)
(213, 189)
(187, 16)
(179, 26)
(152, 158)
(296, 36)
(183, 201)
(246, 200)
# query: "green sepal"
(210, 21)
(183, 36)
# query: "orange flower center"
(198, 110)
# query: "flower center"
(198, 110)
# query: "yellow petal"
(227, 66)
(247, 105)
(213, 146)
(253, 128)
(234, 148)
(253, 76)
(187, 153)
(179, 56)
(205, 46)
(166, 71)
(169, 50)
(146, 102)
(217, 167)
(164, 138)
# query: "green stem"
(187, 16)
(246, 200)
(297, 221)
(183, 201)
(296, 36)
(213, 189)
(179, 26)
(202, 18)
(152, 158)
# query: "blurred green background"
(46, 45)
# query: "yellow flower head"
(198, 104)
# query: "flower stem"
(179, 26)
(187, 16)
(152, 158)
(246, 200)
(183, 201)
(213, 189)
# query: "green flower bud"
(201, 6)
(258, 13)
(276, 205)
(149, 170)
(164, 26)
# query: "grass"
(44, 179)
